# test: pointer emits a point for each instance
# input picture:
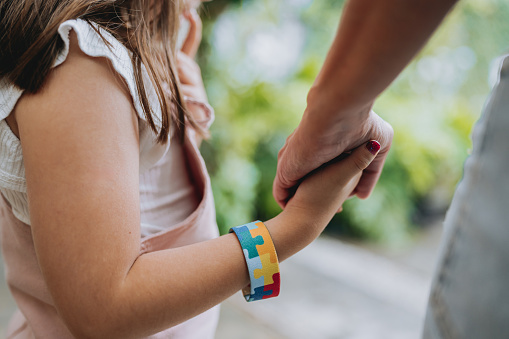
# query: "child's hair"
(29, 45)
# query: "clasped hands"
(316, 141)
(319, 139)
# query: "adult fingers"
(350, 170)
(371, 174)
(327, 188)
(282, 187)
(282, 191)
(370, 177)
(193, 39)
(354, 164)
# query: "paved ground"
(330, 290)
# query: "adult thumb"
(360, 158)
(346, 169)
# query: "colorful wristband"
(261, 259)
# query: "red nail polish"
(373, 146)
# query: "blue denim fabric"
(470, 290)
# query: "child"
(98, 154)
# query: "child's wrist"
(266, 244)
(292, 231)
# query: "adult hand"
(310, 146)
(323, 191)
(317, 199)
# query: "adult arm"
(375, 40)
(79, 136)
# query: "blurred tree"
(259, 59)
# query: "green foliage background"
(259, 59)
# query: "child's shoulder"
(78, 78)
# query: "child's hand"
(324, 191)
(188, 70)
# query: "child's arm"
(79, 136)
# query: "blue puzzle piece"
(247, 241)
(259, 294)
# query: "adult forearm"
(376, 39)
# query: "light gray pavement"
(330, 290)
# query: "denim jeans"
(470, 290)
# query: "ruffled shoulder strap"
(9, 96)
(97, 42)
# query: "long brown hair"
(30, 44)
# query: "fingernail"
(373, 146)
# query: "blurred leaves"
(259, 59)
